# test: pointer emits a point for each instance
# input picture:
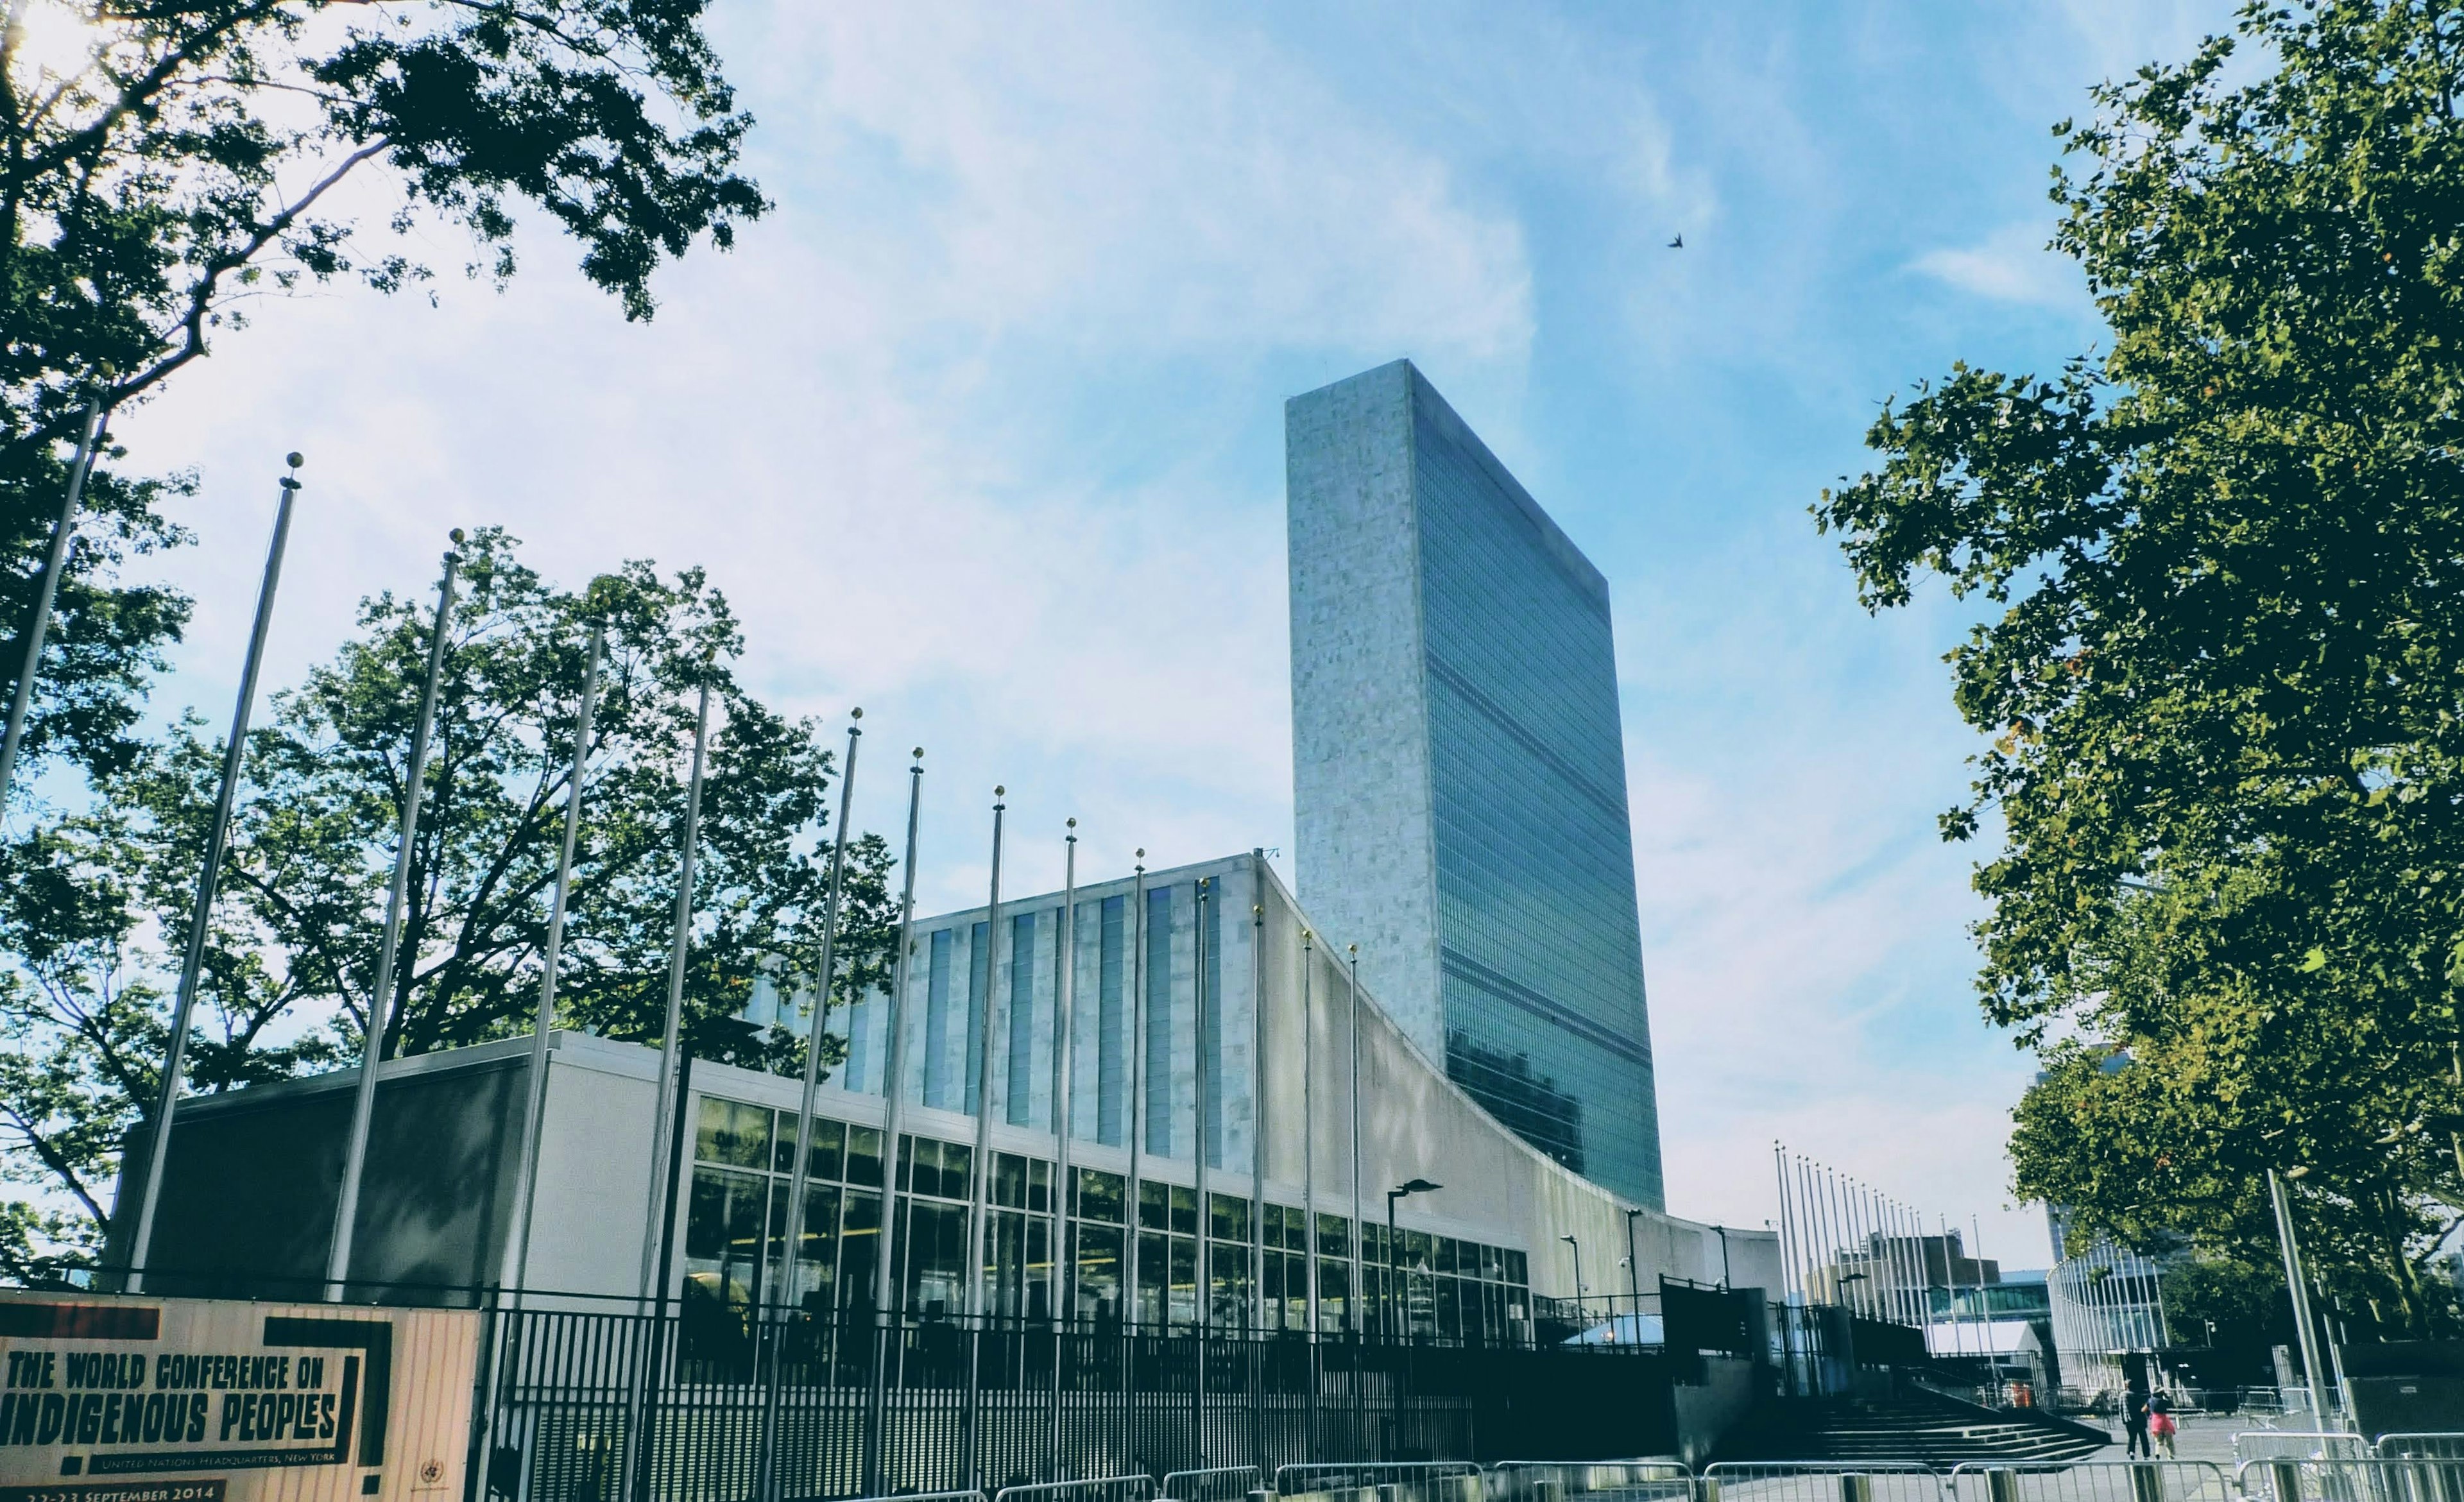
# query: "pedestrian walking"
(2134, 1424)
(2160, 1425)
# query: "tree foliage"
(292, 954)
(2223, 663)
(161, 162)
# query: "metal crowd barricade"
(1821, 1481)
(2337, 1479)
(1556, 1480)
(1098, 1489)
(2299, 1444)
(2091, 1481)
(2439, 1446)
(1420, 1478)
(928, 1497)
(1217, 1484)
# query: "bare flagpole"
(1065, 1259)
(1359, 1297)
(800, 1179)
(526, 1185)
(654, 1226)
(1137, 1102)
(347, 1210)
(979, 1192)
(893, 1075)
(209, 875)
(39, 626)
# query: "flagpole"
(1065, 1015)
(1258, 1088)
(977, 1195)
(354, 1155)
(41, 625)
(1065, 1259)
(526, 1184)
(886, 1297)
(209, 875)
(1308, 1124)
(1201, 1097)
(1137, 1086)
(672, 1041)
(800, 1176)
(1360, 1326)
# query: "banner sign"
(169, 1400)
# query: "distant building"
(1458, 769)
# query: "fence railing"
(1215, 1484)
(1098, 1489)
(2299, 1444)
(1556, 1480)
(2090, 1481)
(1422, 1480)
(594, 1406)
(1819, 1481)
(2441, 1445)
(2350, 1479)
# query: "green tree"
(162, 164)
(292, 950)
(2223, 653)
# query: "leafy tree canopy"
(161, 162)
(292, 951)
(2223, 663)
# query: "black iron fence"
(577, 1405)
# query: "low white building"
(1290, 1106)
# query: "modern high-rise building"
(1458, 769)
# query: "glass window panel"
(859, 1249)
(1184, 1281)
(1185, 1210)
(1227, 1270)
(1417, 1250)
(1334, 1293)
(1155, 1276)
(1009, 1181)
(1039, 1185)
(815, 1285)
(1516, 1271)
(723, 1234)
(935, 1252)
(1334, 1236)
(864, 1155)
(733, 1132)
(1154, 1198)
(827, 1160)
(1098, 1289)
(1231, 1217)
(1449, 1309)
(1099, 1194)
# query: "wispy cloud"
(2014, 264)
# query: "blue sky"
(983, 431)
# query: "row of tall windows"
(737, 1226)
(952, 986)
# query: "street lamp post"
(1722, 1231)
(1403, 1191)
(1633, 1270)
(1568, 1240)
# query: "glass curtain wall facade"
(1460, 770)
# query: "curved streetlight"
(1402, 1191)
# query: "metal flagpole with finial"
(38, 626)
(799, 1176)
(1136, 1093)
(1064, 1257)
(209, 875)
(1201, 1100)
(887, 1295)
(379, 1009)
(978, 1195)
(665, 1125)
(526, 1185)
(1258, 1116)
(1308, 1127)
(1354, 1307)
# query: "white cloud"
(2011, 265)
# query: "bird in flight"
(1677, 243)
